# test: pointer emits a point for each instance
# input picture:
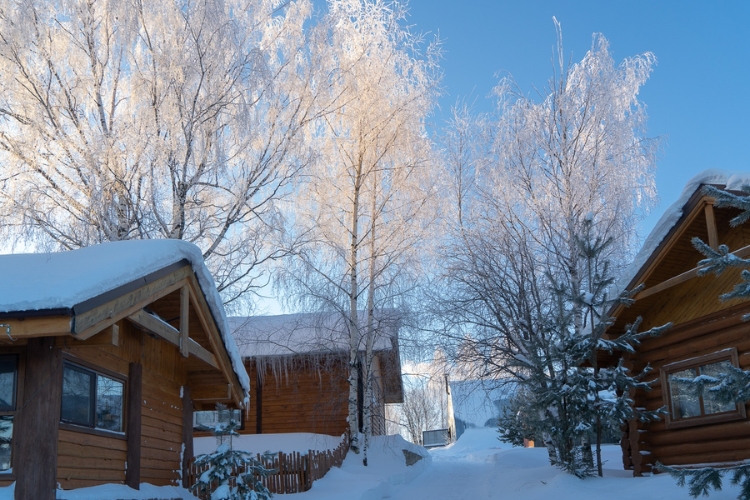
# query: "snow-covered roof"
(731, 180)
(65, 280)
(312, 333)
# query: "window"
(91, 399)
(205, 421)
(8, 390)
(686, 405)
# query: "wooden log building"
(104, 354)
(707, 335)
(298, 368)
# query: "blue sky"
(698, 97)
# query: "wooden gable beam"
(107, 337)
(184, 318)
(713, 233)
(12, 329)
(169, 333)
(91, 322)
(202, 310)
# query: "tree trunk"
(354, 333)
(370, 330)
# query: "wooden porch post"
(36, 422)
(187, 434)
(134, 408)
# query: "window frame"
(11, 411)
(83, 366)
(738, 413)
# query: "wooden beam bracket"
(169, 333)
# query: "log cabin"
(298, 369)
(104, 354)
(707, 335)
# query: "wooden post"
(713, 234)
(135, 411)
(184, 324)
(36, 422)
(187, 433)
(258, 401)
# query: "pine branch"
(726, 199)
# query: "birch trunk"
(354, 333)
(370, 329)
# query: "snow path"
(476, 467)
(479, 467)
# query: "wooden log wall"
(703, 324)
(307, 397)
(87, 459)
(709, 443)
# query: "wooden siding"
(720, 442)
(87, 460)
(161, 414)
(306, 397)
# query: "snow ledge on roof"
(44, 281)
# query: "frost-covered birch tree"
(175, 119)
(365, 205)
(517, 280)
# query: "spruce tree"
(566, 398)
(231, 474)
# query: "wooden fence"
(294, 473)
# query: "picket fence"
(294, 472)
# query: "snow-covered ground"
(476, 467)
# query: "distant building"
(477, 403)
(299, 365)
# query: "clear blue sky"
(698, 97)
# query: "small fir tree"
(231, 474)
(734, 385)
(567, 398)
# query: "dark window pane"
(109, 399)
(8, 365)
(685, 399)
(710, 403)
(76, 396)
(6, 435)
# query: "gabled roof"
(668, 257)
(675, 215)
(72, 284)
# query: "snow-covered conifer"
(230, 474)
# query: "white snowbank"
(115, 492)
(62, 280)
